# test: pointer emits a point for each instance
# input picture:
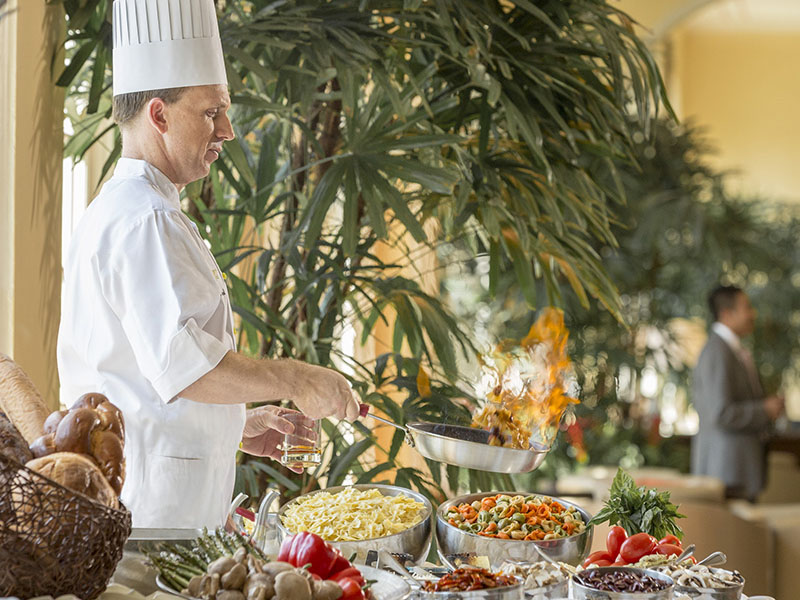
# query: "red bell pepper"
(307, 548)
(286, 549)
(339, 565)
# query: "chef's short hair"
(126, 106)
(723, 298)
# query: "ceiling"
(746, 15)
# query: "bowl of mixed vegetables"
(515, 526)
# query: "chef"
(146, 316)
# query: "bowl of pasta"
(359, 518)
(514, 526)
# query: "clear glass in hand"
(301, 448)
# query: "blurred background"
(712, 197)
(713, 201)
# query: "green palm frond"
(403, 125)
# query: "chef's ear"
(155, 114)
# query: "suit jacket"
(730, 444)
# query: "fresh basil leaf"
(639, 509)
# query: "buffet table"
(134, 575)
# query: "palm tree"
(375, 129)
(683, 235)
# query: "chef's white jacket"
(145, 313)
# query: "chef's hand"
(264, 430)
(321, 392)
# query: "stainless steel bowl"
(530, 573)
(509, 592)
(733, 592)
(582, 592)
(415, 541)
(469, 447)
(451, 540)
(554, 591)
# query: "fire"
(528, 381)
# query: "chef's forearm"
(238, 379)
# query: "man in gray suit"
(735, 417)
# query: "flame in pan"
(529, 382)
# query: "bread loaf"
(78, 473)
(12, 444)
(110, 416)
(93, 427)
(21, 401)
(74, 431)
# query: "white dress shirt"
(145, 314)
(734, 342)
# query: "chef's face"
(198, 124)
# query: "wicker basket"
(54, 541)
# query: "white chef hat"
(162, 44)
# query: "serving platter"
(387, 586)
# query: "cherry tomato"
(670, 539)
(594, 557)
(668, 549)
(635, 547)
(350, 589)
(614, 540)
(352, 573)
(619, 563)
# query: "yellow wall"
(30, 204)
(736, 79)
(658, 17)
(8, 56)
(745, 88)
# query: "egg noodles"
(353, 515)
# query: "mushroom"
(230, 595)
(277, 567)
(259, 586)
(212, 586)
(326, 590)
(234, 578)
(195, 586)
(240, 556)
(203, 586)
(222, 565)
(307, 574)
(254, 564)
(291, 585)
(257, 593)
